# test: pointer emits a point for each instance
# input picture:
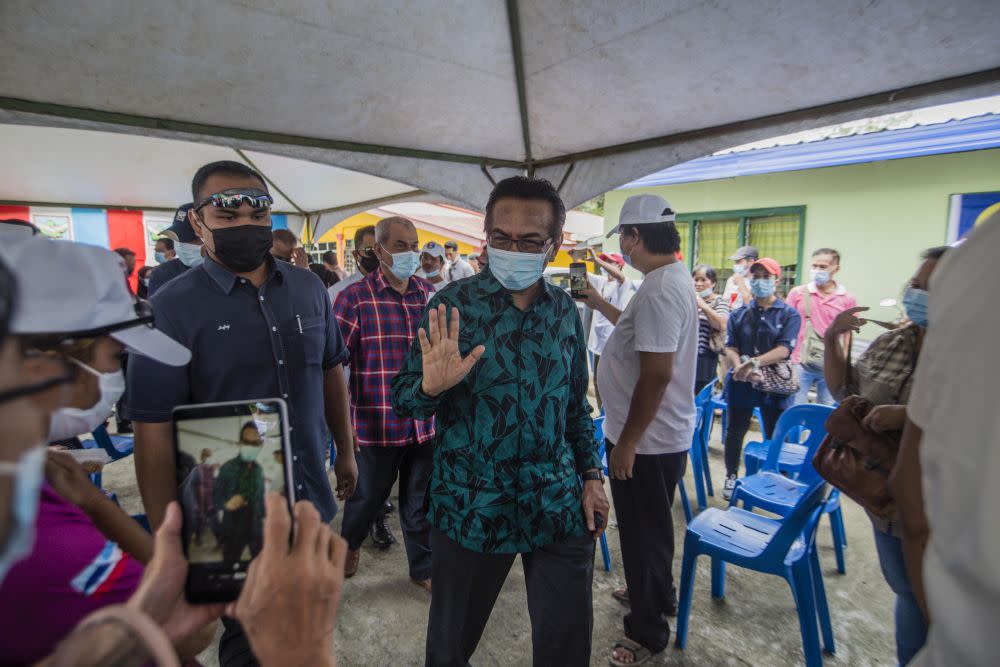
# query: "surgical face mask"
(762, 288)
(433, 274)
(820, 277)
(915, 305)
(189, 254)
(516, 271)
(705, 293)
(28, 474)
(160, 257)
(71, 422)
(242, 248)
(404, 264)
(740, 270)
(249, 453)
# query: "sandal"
(621, 595)
(640, 653)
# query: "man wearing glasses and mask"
(256, 328)
(516, 466)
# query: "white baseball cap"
(643, 210)
(434, 249)
(78, 291)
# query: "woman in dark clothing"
(713, 315)
(760, 334)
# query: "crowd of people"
(467, 384)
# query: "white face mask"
(28, 474)
(189, 254)
(71, 422)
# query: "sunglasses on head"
(235, 198)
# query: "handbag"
(717, 338)
(813, 352)
(858, 460)
(778, 378)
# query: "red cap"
(612, 257)
(771, 265)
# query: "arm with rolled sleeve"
(408, 400)
(336, 399)
(579, 423)
(154, 390)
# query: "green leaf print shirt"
(513, 436)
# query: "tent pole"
(514, 23)
(270, 182)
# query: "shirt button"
(261, 298)
(300, 487)
(243, 281)
(281, 362)
(295, 457)
(284, 395)
(274, 328)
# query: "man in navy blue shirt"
(187, 246)
(256, 328)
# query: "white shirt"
(954, 401)
(459, 269)
(661, 317)
(618, 295)
(341, 285)
(732, 294)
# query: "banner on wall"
(57, 224)
(969, 210)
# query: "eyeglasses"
(501, 242)
(366, 251)
(235, 198)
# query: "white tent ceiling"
(443, 96)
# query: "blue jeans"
(911, 627)
(806, 380)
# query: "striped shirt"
(379, 324)
(705, 326)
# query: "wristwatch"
(595, 475)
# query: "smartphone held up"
(228, 455)
(578, 283)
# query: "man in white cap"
(646, 378)
(432, 264)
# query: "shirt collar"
(489, 284)
(382, 285)
(813, 289)
(226, 279)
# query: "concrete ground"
(383, 617)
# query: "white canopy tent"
(444, 98)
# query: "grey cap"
(68, 287)
(746, 252)
(643, 210)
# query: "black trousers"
(646, 532)
(736, 430)
(234, 647)
(706, 371)
(377, 471)
(558, 577)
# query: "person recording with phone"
(614, 287)
(257, 328)
(647, 376)
(239, 491)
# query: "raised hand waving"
(444, 366)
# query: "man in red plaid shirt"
(379, 317)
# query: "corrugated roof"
(954, 136)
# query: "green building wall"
(879, 215)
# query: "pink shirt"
(72, 571)
(823, 309)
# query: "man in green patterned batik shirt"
(501, 362)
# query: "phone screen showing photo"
(227, 457)
(577, 278)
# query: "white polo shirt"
(661, 317)
(618, 295)
(954, 401)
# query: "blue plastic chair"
(699, 448)
(719, 403)
(777, 488)
(782, 547)
(116, 446)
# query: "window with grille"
(316, 250)
(714, 237)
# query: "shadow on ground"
(383, 617)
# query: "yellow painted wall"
(352, 224)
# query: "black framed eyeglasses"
(235, 198)
(532, 246)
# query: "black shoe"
(388, 507)
(381, 535)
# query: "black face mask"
(370, 262)
(243, 248)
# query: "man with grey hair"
(378, 317)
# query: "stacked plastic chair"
(699, 447)
(784, 547)
(776, 482)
